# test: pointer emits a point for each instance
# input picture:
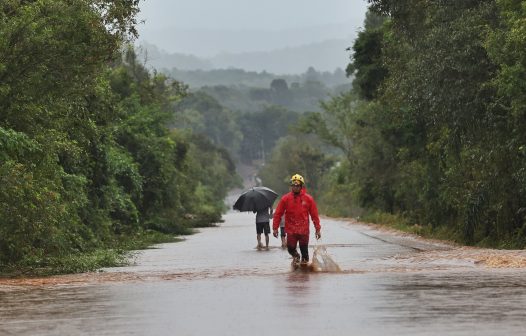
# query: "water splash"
(323, 262)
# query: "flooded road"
(217, 283)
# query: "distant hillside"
(327, 55)
(242, 78)
(252, 91)
(323, 56)
(159, 59)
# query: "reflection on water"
(217, 283)
(297, 284)
(496, 300)
(48, 311)
(299, 294)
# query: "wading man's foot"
(295, 261)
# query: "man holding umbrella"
(258, 200)
(297, 205)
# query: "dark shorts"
(260, 227)
(282, 230)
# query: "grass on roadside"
(400, 223)
(120, 255)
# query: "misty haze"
(277, 37)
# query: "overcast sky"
(206, 28)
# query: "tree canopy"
(88, 153)
(434, 125)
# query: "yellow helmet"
(297, 179)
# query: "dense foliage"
(87, 157)
(434, 128)
(296, 153)
(246, 135)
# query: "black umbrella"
(255, 199)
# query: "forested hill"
(242, 78)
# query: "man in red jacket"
(297, 205)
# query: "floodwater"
(216, 283)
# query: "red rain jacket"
(297, 209)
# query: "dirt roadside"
(430, 250)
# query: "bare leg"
(259, 241)
(266, 240)
(283, 241)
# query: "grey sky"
(206, 28)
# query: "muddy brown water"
(217, 283)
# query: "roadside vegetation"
(433, 132)
(89, 165)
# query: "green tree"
(296, 154)
(87, 158)
(261, 130)
(366, 64)
(52, 58)
(209, 118)
(507, 151)
(450, 69)
(280, 92)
